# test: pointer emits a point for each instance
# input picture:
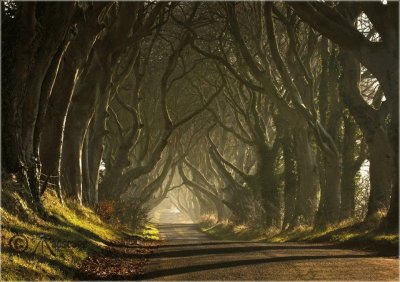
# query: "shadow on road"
(233, 250)
(187, 254)
(212, 266)
(206, 244)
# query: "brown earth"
(123, 260)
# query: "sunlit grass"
(150, 232)
(225, 230)
(349, 231)
(75, 232)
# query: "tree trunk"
(306, 199)
(348, 193)
(86, 170)
(74, 64)
(97, 133)
(349, 171)
(391, 222)
(50, 147)
(291, 182)
(79, 115)
(382, 157)
(30, 84)
(381, 59)
(267, 181)
(380, 173)
(329, 205)
(391, 89)
(198, 190)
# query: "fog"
(167, 212)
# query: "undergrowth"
(37, 249)
(227, 231)
(359, 234)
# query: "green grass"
(344, 232)
(359, 235)
(150, 232)
(363, 235)
(75, 233)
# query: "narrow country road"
(187, 254)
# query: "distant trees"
(307, 94)
(259, 112)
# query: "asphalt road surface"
(187, 254)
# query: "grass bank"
(225, 230)
(35, 249)
(360, 235)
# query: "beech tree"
(29, 82)
(262, 113)
(380, 58)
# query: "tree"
(29, 83)
(380, 58)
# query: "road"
(188, 254)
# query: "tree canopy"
(276, 114)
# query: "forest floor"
(123, 260)
(74, 244)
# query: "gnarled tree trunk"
(71, 68)
(306, 199)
